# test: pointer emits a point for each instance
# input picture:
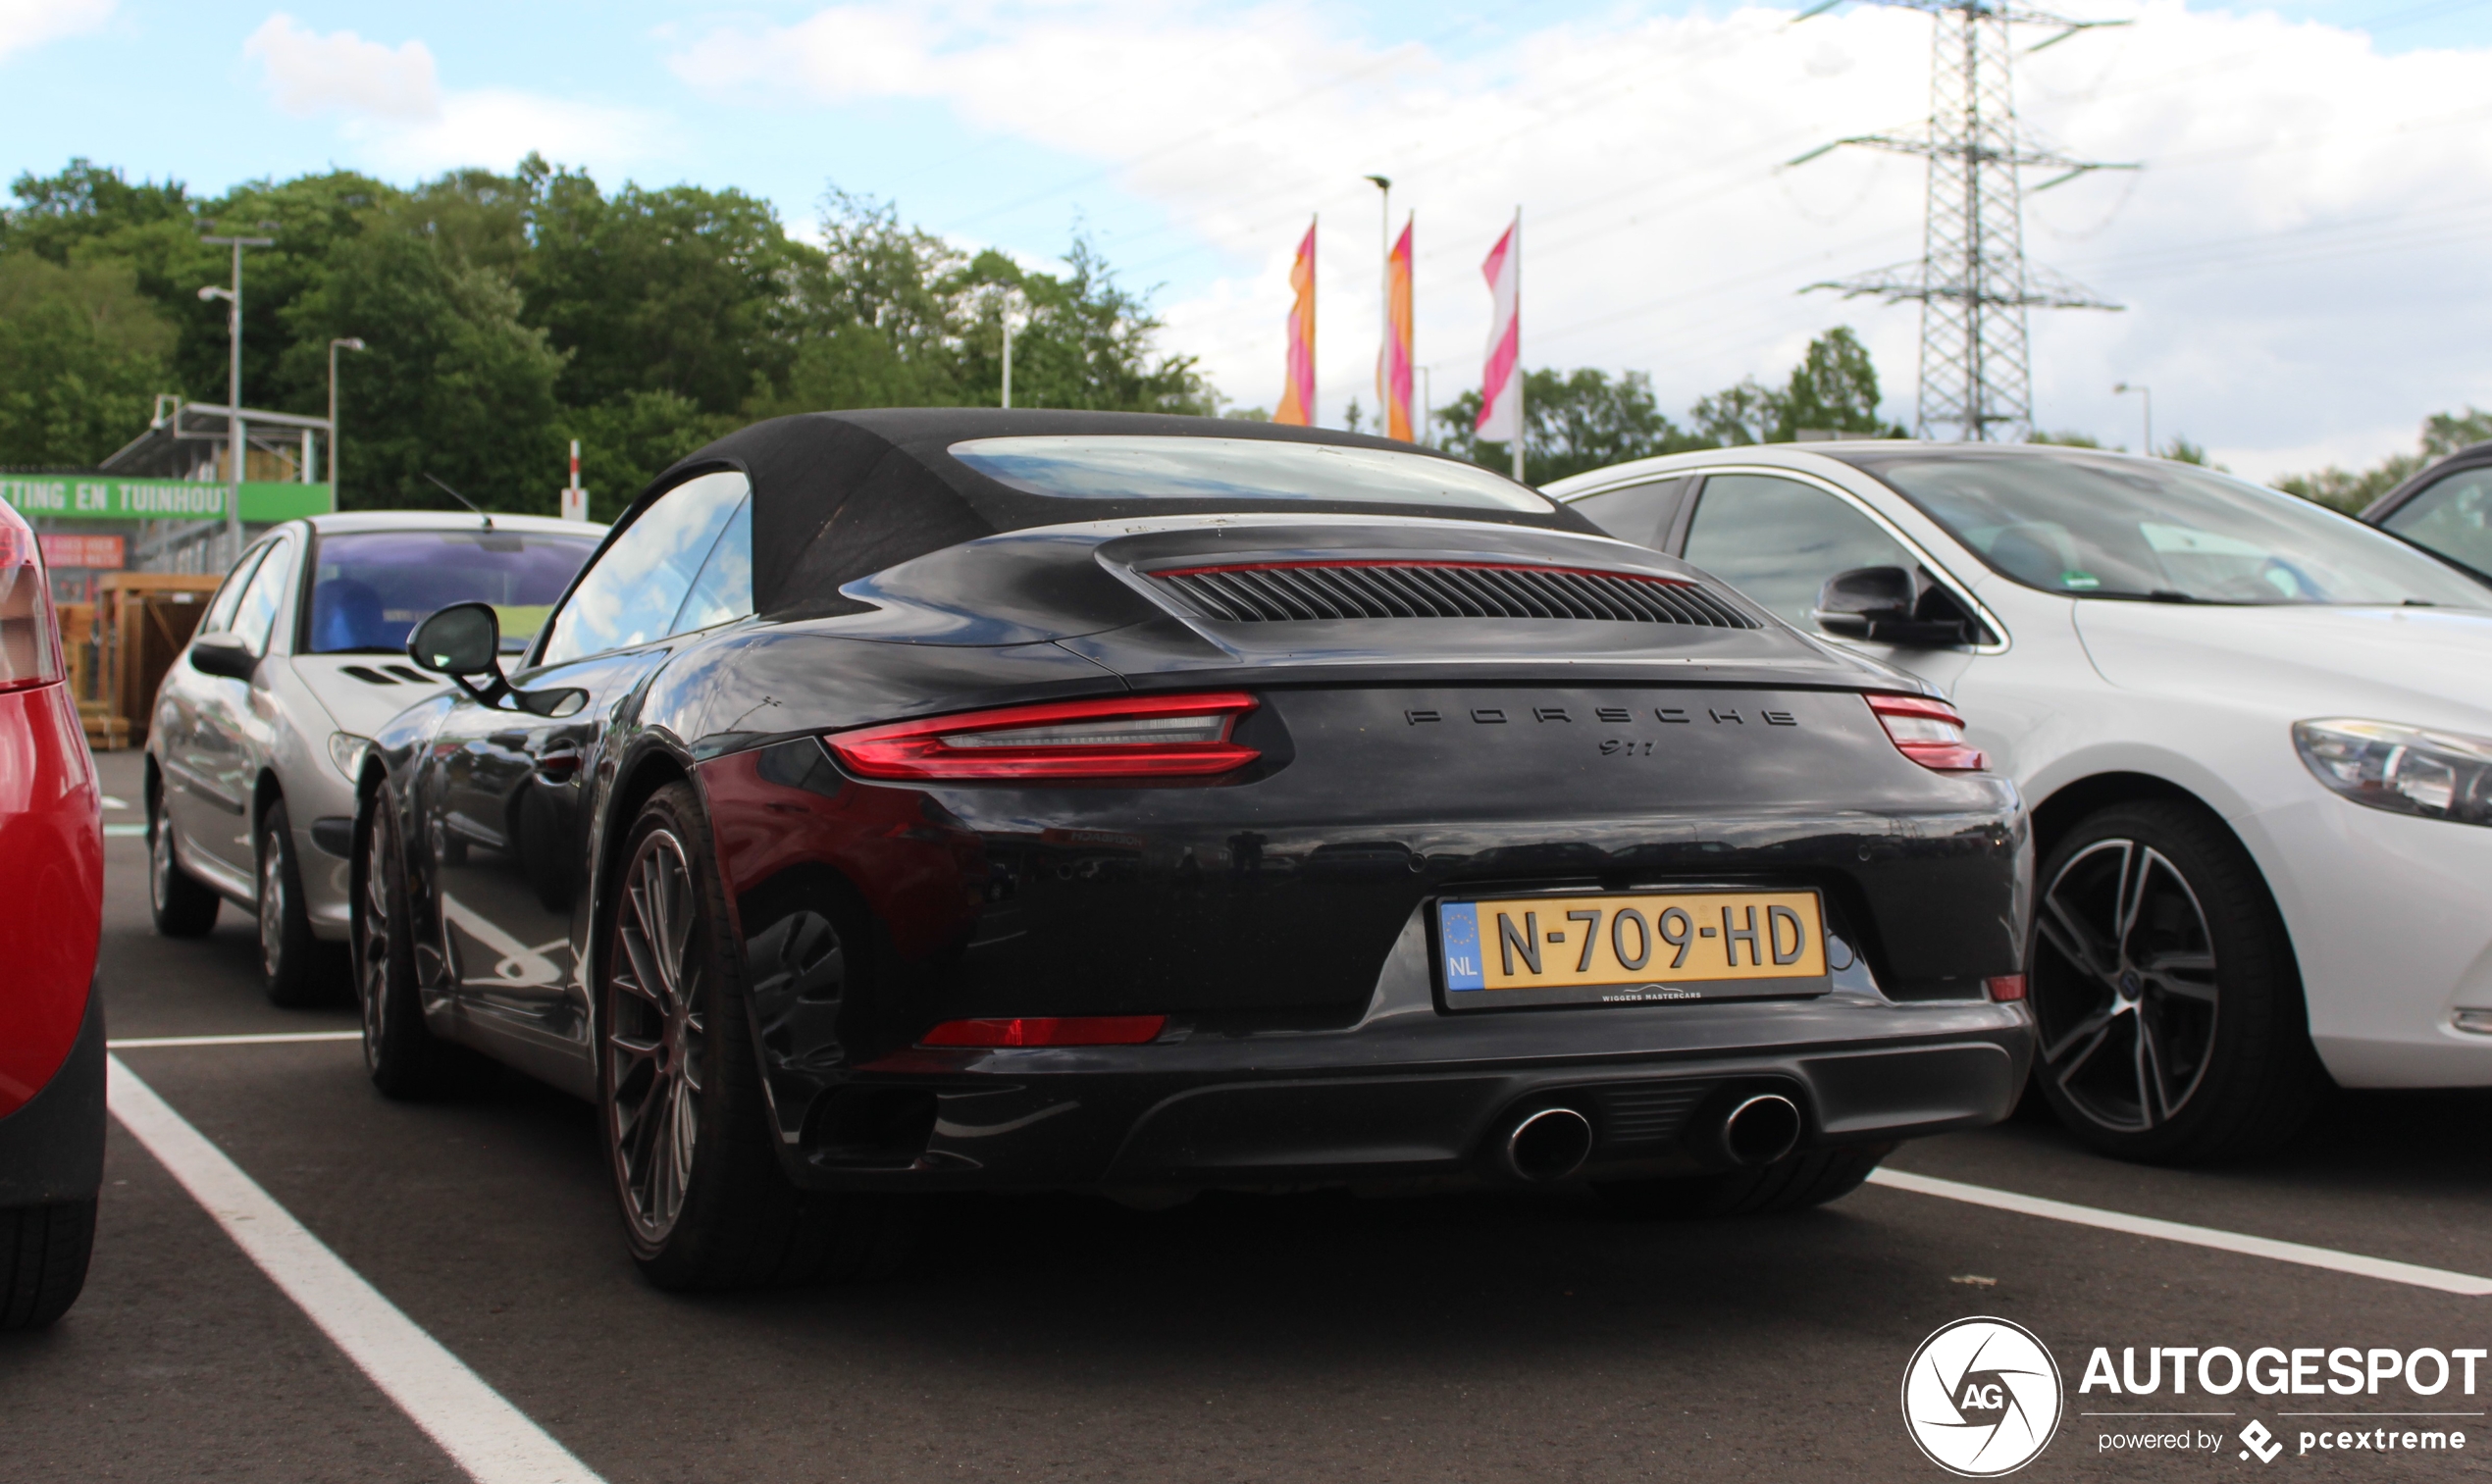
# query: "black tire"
(1792, 1183)
(296, 969)
(679, 1083)
(405, 1059)
(183, 906)
(2172, 1028)
(43, 1256)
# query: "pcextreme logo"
(1980, 1396)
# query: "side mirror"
(1889, 605)
(463, 641)
(223, 654)
(459, 640)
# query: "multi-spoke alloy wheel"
(706, 1200)
(272, 914)
(655, 1033)
(2125, 969)
(2168, 1005)
(399, 1052)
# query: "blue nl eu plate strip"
(1458, 930)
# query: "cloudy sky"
(2301, 255)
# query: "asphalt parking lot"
(1271, 1337)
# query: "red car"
(51, 908)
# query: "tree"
(1833, 390)
(82, 354)
(1572, 421)
(2443, 434)
(454, 383)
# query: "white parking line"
(484, 1434)
(2442, 1279)
(273, 1037)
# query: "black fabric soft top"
(839, 496)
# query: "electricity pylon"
(1972, 280)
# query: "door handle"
(558, 763)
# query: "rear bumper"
(1409, 1094)
(52, 1147)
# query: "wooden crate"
(144, 619)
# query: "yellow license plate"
(1630, 948)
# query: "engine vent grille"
(1278, 592)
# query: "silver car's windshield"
(2107, 527)
(373, 585)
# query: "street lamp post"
(232, 297)
(2146, 395)
(344, 342)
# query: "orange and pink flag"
(1298, 391)
(1398, 422)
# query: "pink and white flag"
(1501, 384)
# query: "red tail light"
(1929, 732)
(1126, 737)
(30, 630)
(2005, 987)
(1049, 1030)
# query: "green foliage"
(454, 386)
(2351, 492)
(82, 355)
(1579, 420)
(2069, 439)
(507, 314)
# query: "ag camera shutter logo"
(1980, 1396)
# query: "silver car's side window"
(255, 615)
(220, 614)
(2453, 518)
(1777, 541)
(1640, 513)
(637, 587)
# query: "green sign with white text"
(100, 498)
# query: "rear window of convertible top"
(1144, 467)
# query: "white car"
(259, 724)
(2255, 738)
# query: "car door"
(2452, 518)
(188, 800)
(503, 817)
(1778, 538)
(234, 718)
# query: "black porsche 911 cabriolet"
(940, 799)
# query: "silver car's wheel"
(655, 1036)
(2125, 964)
(2163, 989)
(272, 916)
(182, 907)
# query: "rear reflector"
(1929, 732)
(1049, 1030)
(2005, 987)
(1126, 737)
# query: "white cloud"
(2299, 258)
(399, 119)
(27, 24)
(497, 126)
(311, 74)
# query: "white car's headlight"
(2405, 770)
(345, 749)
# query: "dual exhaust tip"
(1552, 1143)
